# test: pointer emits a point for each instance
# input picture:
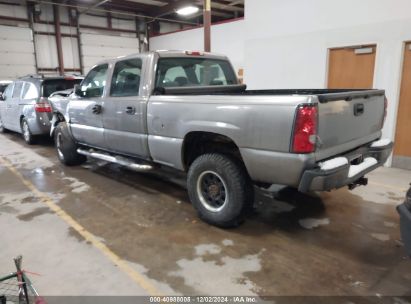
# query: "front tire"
(25, 131)
(66, 147)
(220, 190)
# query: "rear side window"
(8, 91)
(181, 72)
(126, 78)
(30, 91)
(50, 86)
(17, 89)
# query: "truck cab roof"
(167, 54)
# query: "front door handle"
(130, 110)
(96, 109)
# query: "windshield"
(181, 72)
(52, 85)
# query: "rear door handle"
(130, 110)
(96, 109)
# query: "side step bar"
(123, 161)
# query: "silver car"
(24, 106)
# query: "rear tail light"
(385, 110)
(305, 129)
(42, 106)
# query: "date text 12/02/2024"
(204, 299)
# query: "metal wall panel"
(16, 52)
(46, 51)
(70, 53)
(97, 47)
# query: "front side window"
(17, 89)
(95, 81)
(126, 78)
(29, 91)
(181, 72)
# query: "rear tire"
(66, 147)
(220, 190)
(25, 131)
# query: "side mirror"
(78, 91)
(2, 97)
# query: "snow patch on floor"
(205, 276)
(377, 195)
(76, 185)
(12, 198)
(204, 249)
(390, 224)
(383, 237)
(28, 160)
(227, 242)
(310, 223)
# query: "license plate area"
(356, 159)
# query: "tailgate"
(348, 120)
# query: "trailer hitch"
(362, 181)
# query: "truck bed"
(324, 95)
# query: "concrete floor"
(116, 232)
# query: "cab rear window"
(182, 72)
(52, 85)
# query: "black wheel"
(66, 147)
(220, 190)
(25, 131)
(2, 128)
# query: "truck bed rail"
(324, 95)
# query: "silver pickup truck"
(186, 110)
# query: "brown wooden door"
(402, 148)
(351, 68)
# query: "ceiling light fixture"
(187, 10)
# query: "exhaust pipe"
(117, 160)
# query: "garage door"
(351, 67)
(97, 47)
(402, 148)
(16, 52)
